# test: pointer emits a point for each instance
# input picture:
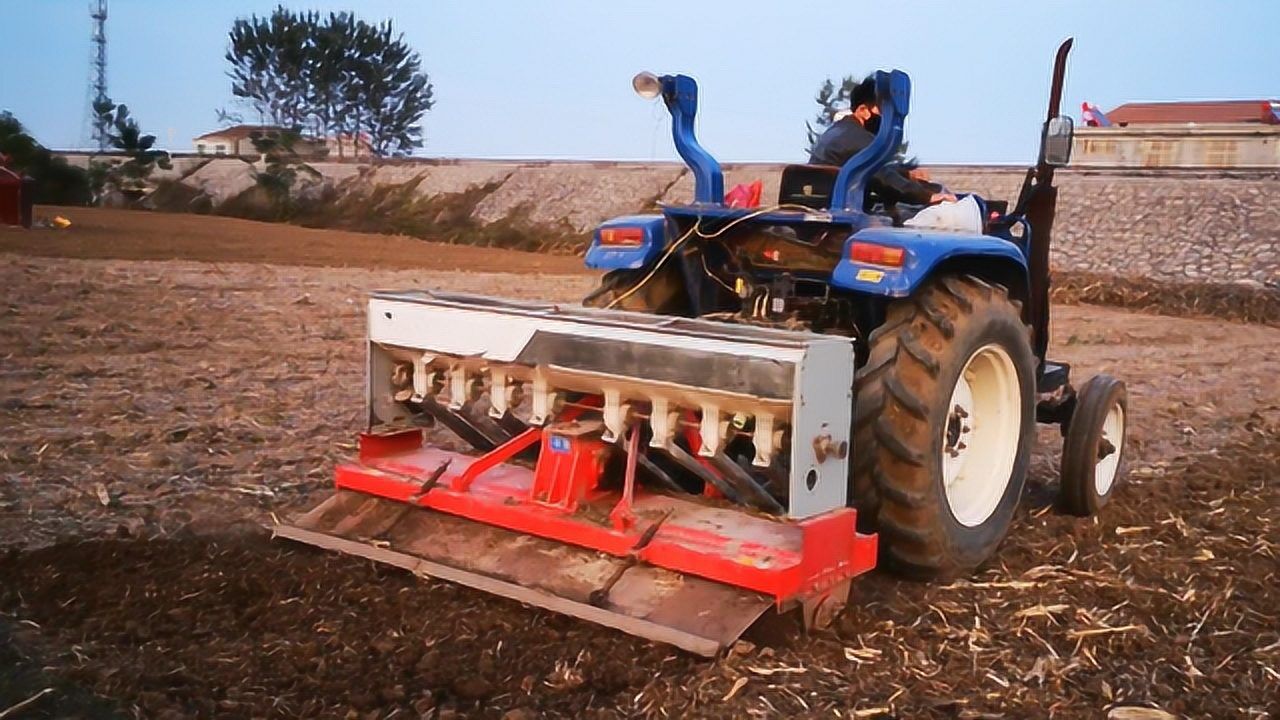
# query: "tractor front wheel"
(1093, 447)
(944, 421)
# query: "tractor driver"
(855, 130)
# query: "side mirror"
(1055, 147)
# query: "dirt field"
(131, 235)
(155, 414)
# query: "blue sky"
(552, 79)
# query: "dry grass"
(1247, 303)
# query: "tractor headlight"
(647, 85)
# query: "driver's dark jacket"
(846, 138)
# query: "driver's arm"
(893, 186)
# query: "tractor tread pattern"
(909, 402)
(891, 484)
(909, 343)
(956, 289)
(928, 304)
(896, 445)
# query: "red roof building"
(1213, 134)
(1264, 112)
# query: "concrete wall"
(428, 181)
(1166, 225)
(1172, 226)
(579, 196)
(222, 180)
(1235, 145)
(183, 165)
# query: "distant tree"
(125, 136)
(57, 183)
(16, 145)
(281, 164)
(831, 99)
(228, 117)
(331, 75)
(390, 94)
(328, 71)
(268, 57)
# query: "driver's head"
(866, 108)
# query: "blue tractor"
(756, 407)
(950, 329)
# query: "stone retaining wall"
(1161, 225)
(578, 196)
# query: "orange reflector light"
(622, 236)
(872, 254)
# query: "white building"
(238, 140)
(1214, 134)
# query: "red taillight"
(622, 236)
(872, 254)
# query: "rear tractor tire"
(944, 422)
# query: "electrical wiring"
(656, 266)
(695, 229)
(713, 276)
(750, 216)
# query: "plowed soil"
(132, 235)
(156, 413)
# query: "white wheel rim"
(1104, 474)
(981, 435)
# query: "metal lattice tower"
(98, 71)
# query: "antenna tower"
(98, 71)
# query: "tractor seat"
(807, 185)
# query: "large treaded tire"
(902, 398)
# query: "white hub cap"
(980, 436)
(1109, 446)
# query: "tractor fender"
(926, 251)
(632, 256)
